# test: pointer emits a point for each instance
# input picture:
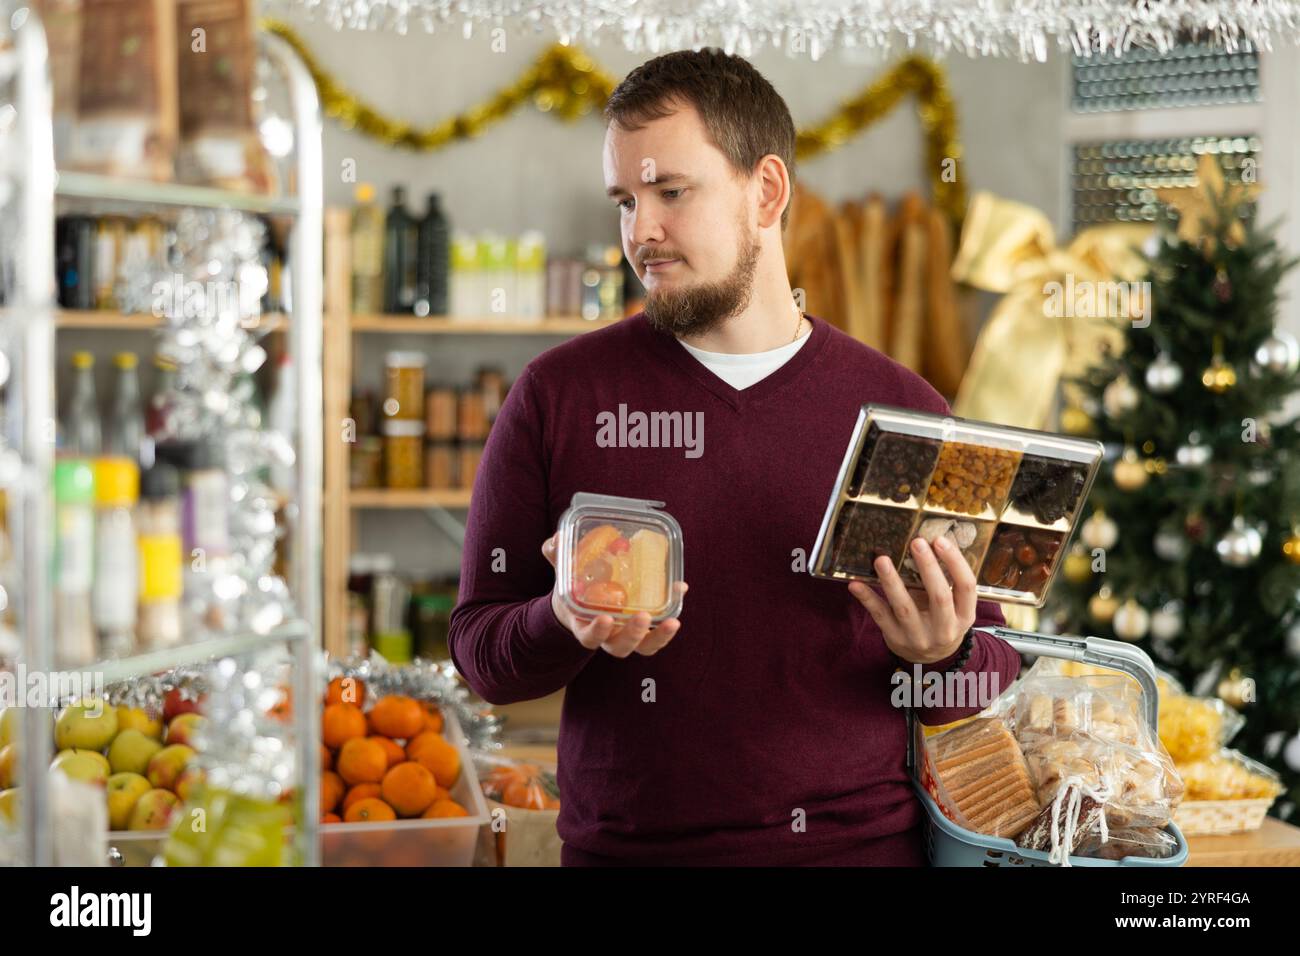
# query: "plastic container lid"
(619, 556)
(74, 482)
(125, 360)
(83, 360)
(117, 482)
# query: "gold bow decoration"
(567, 83)
(1036, 334)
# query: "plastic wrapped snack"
(1088, 729)
(1229, 775)
(1195, 728)
(980, 778)
(1147, 842)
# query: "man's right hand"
(618, 638)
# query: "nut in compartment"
(1021, 559)
(865, 532)
(971, 537)
(971, 479)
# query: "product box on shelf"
(1010, 498)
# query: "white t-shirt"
(744, 369)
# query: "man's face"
(686, 222)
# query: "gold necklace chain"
(797, 325)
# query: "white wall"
(533, 170)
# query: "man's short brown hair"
(746, 118)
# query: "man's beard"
(697, 309)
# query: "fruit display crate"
(448, 841)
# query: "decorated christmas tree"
(1191, 548)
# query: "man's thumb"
(549, 546)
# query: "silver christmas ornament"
(1131, 621)
(1163, 375)
(1240, 545)
(1170, 544)
(1167, 622)
(1192, 455)
(1291, 752)
(1119, 397)
(1293, 640)
(1279, 354)
(1099, 531)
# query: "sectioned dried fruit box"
(1010, 499)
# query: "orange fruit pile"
(386, 763)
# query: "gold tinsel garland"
(565, 81)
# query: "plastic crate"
(947, 844)
(449, 841)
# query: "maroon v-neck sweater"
(764, 732)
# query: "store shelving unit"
(344, 506)
(32, 320)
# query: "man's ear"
(774, 189)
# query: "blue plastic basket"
(947, 844)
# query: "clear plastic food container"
(1010, 498)
(619, 556)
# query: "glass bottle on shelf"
(367, 253)
(161, 563)
(81, 429)
(74, 556)
(433, 260)
(400, 240)
(125, 418)
(116, 570)
(157, 414)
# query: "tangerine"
(396, 715)
(331, 791)
(346, 690)
(341, 723)
(393, 750)
(362, 791)
(441, 759)
(409, 789)
(362, 761)
(370, 810)
(444, 808)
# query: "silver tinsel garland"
(1023, 28)
(426, 680)
(209, 295)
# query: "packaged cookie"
(619, 556)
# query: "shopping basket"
(947, 844)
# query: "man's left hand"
(935, 629)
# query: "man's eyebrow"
(658, 180)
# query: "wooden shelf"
(117, 191)
(414, 498)
(137, 321)
(485, 325)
